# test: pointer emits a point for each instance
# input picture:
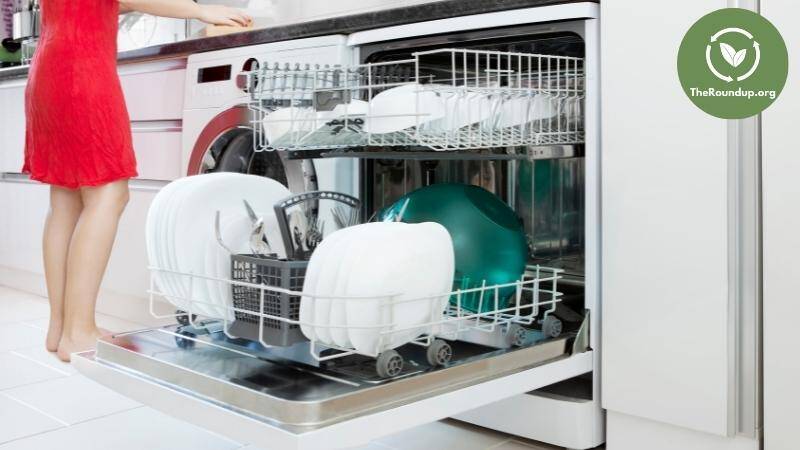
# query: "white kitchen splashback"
(272, 12)
(141, 30)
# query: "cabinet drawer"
(158, 149)
(154, 91)
(278, 406)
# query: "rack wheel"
(182, 317)
(439, 353)
(389, 364)
(185, 343)
(552, 326)
(517, 335)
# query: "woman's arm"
(187, 9)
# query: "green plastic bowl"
(488, 237)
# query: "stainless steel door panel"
(299, 404)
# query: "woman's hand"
(223, 15)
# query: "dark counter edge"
(337, 25)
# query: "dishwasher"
(303, 395)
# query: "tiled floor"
(45, 404)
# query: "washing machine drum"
(231, 150)
(234, 152)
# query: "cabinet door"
(781, 222)
(12, 125)
(666, 345)
(23, 207)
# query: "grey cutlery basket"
(273, 272)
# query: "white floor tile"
(19, 421)
(445, 434)
(16, 306)
(18, 371)
(40, 355)
(371, 446)
(41, 323)
(18, 335)
(72, 399)
(138, 429)
(528, 445)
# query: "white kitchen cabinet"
(781, 222)
(668, 348)
(12, 124)
(24, 207)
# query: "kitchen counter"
(336, 25)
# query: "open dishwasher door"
(273, 404)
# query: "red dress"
(78, 131)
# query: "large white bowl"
(404, 107)
(280, 124)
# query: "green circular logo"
(733, 63)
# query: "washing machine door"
(226, 145)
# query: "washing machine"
(217, 124)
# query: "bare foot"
(80, 342)
(53, 334)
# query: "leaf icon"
(739, 57)
(728, 53)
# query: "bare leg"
(88, 256)
(65, 208)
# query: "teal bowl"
(488, 237)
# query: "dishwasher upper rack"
(539, 284)
(490, 99)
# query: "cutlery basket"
(273, 272)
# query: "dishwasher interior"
(537, 168)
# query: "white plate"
(327, 281)
(235, 231)
(433, 267)
(180, 284)
(311, 282)
(194, 217)
(152, 238)
(462, 109)
(404, 107)
(412, 261)
(157, 240)
(338, 309)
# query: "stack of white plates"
(181, 237)
(372, 287)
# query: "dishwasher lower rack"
(501, 324)
(446, 99)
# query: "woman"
(78, 140)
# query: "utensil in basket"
(299, 228)
(259, 244)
